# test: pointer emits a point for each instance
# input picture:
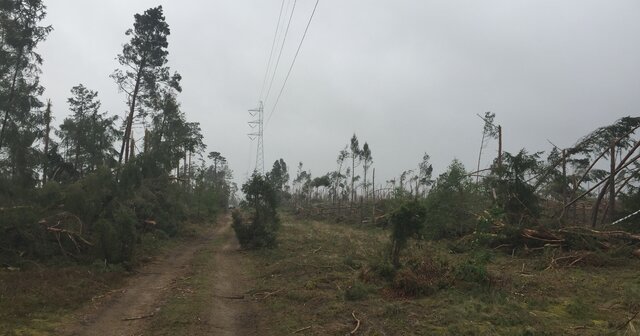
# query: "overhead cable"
(293, 62)
(286, 32)
(273, 44)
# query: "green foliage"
(357, 291)
(474, 270)
(383, 267)
(88, 135)
(20, 235)
(90, 207)
(407, 222)
(279, 174)
(515, 195)
(579, 309)
(451, 204)
(260, 229)
(20, 117)
(116, 236)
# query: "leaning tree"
(144, 72)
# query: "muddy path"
(232, 311)
(131, 309)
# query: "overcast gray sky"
(406, 76)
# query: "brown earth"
(131, 309)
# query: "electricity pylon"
(257, 123)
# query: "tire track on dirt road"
(131, 309)
(232, 312)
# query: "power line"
(286, 32)
(273, 44)
(294, 61)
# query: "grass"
(182, 314)
(35, 300)
(320, 273)
(319, 267)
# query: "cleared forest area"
(124, 223)
(330, 279)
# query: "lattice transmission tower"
(257, 124)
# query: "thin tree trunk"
(480, 155)
(623, 164)
(612, 184)
(373, 185)
(132, 147)
(146, 140)
(365, 181)
(564, 186)
(499, 147)
(77, 158)
(47, 120)
(12, 94)
(353, 176)
(132, 108)
(584, 175)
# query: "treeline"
(92, 187)
(593, 183)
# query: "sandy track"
(141, 296)
(144, 294)
(230, 315)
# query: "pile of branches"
(66, 226)
(573, 246)
(579, 238)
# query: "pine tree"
(145, 73)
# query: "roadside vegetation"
(532, 244)
(322, 272)
(77, 211)
(524, 247)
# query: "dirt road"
(131, 309)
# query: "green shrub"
(260, 228)
(407, 222)
(22, 237)
(474, 269)
(451, 204)
(577, 308)
(116, 237)
(252, 233)
(357, 291)
(383, 267)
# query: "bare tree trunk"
(127, 145)
(132, 108)
(132, 141)
(480, 156)
(12, 94)
(499, 147)
(146, 140)
(621, 165)
(373, 185)
(353, 176)
(47, 120)
(564, 186)
(365, 181)
(185, 165)
(189, 177)
(612, 184)
(584, 175)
